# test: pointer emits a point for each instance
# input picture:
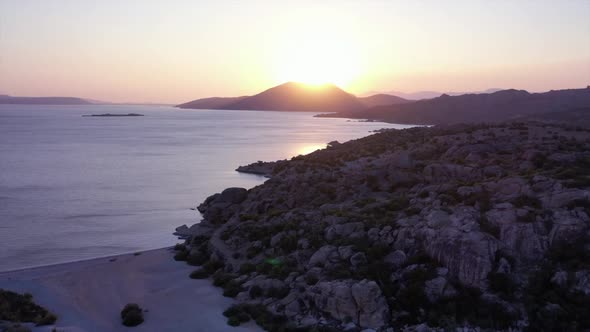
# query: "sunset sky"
(175, 51)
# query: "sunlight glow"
(307, 149)
(318, 54)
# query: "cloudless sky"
(175, 51)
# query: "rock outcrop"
(478, 227)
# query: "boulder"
(438, 288)
(360, 302)
(358, 259)
(343, 230)
(468, 256)
(321, 256)
(395, 259)
(233, 195)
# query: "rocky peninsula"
(479, 227)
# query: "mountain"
(419, 95)
(382, 99)
(5, 99)
(300, 97)
(211, 103)
(497, 106)
(297, 97)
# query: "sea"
(75, 188)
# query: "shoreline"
(88, 295)
(22, 269)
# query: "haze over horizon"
(176, 52)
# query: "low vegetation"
(132, 314)
(16, 307)
(468, 226)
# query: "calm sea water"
(74, 187)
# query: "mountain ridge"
(6, 99)
(294, 96)
(498, 106)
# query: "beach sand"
(89, 295)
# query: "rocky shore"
(478, 227)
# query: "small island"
(110, 114)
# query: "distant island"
(5, 99)
(111, 115)
(297, 97)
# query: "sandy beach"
(89, 295)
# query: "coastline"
(88, 295)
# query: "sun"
(317, 56)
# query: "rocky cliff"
(466, 226)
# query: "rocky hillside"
(477, 226)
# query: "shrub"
(486, 226)
(247, 268)
(311, 280)
(288, 243)
(232, 289)
(279, 293)
(132, 315)
(398, 204)
(212, 266)
(21, 308)
(527, 218)
(197, 259)
(181, 256)
(233, 321)
(220, 279)
(199, 274)
(255, 291)
(48, 319)
(524, 200)
(412, 211)
(501, 283)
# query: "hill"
(498, 106)
(433, 94)
(382, 99)
(5, 99)
(465, 227)
(297, 97)
(211, 103)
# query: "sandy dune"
(89, 295)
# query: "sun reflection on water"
(308, 148)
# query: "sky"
(176, 51)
